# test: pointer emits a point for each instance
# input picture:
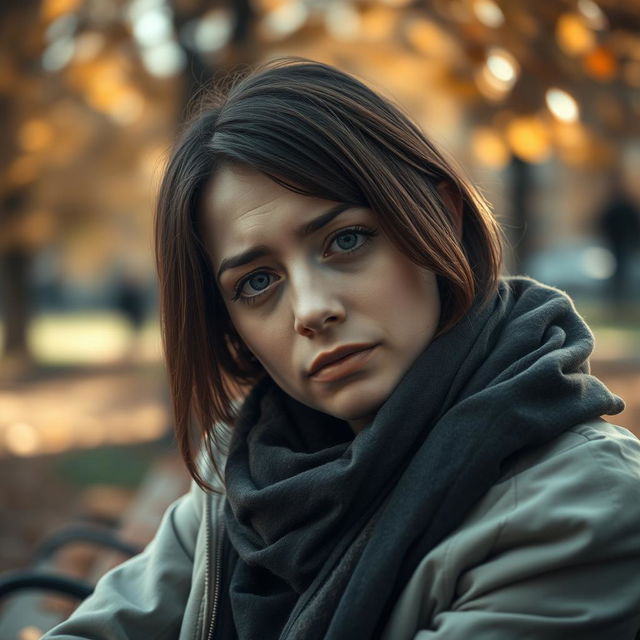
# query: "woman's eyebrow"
(262, 250)
(243, 258)
(322, 220)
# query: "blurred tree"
(90, 97)
(204, 61)
(18, 49)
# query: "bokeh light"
(488, 12)
(22, 439)
(562, 105)
(574, 34)
(489, 148)
(593, 13)
(599, 263)
(528, 137)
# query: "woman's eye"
(347, 241)
(253, 286)
(351, 239)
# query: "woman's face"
(302, 277)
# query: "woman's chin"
(356, 403)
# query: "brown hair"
(320, 132)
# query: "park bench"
(69, 562)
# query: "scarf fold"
(328, 526)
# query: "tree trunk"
(15, 292)
(520, 198)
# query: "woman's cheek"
(264, 338)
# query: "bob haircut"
(319, 132)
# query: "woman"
(415, 446)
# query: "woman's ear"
(452, 199)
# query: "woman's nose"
(316, 304)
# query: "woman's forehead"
(241, 201)
(234, 189)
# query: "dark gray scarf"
(327, 528)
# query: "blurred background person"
(619, 224)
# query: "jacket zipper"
(213, 608)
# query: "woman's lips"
(343, 367)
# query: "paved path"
(65, 410)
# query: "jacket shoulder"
(551, 550)
(605, 440)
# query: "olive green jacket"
(552, 551)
